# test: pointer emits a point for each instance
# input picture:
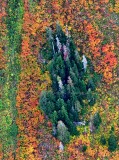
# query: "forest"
(59, 80)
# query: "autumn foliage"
(94, 26)
(29, 117)
(2, 33)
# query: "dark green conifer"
(112, 143)
(97, 120)
(71, 81)
(103, 140)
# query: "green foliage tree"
(112, 2)
(84, 148)
(47, 102)
(13, 130)
(71, 82)
(103, 140)
(1, 105)
(112, 129)
(54, 117)
(112, 143)
(97, 120)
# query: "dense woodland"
(59, 80)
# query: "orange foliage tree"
(77, 17)
(32, 82)
(2, 33)
(74, 16)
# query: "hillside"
(59, 80)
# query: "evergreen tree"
(13, 130)
(59, 67)
(43, 101)
(97, 120)
(47, 102)
(103, 140)
(84, 148)
(112, 143)
(112, 129)
(54, 117)
(59, 103)
(70, 81)
(91, 84)
(91, 97)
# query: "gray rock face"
(61, 147)
(79, 123)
